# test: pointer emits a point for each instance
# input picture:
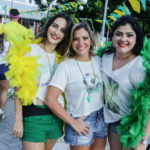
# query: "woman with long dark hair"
(122, 72)
(38, 126)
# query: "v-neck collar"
(124, 66)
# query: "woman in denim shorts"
(79, 77)
(122, 70)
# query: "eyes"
(120, 34)
(84, 38)
(56, 26)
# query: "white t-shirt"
(2, 55)
(69, 79)
(47, 69)
(118, 85)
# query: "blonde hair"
(70, 52)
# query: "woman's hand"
(18, 129)
(141, 147)
(80, 127)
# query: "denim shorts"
(3, 68)
(113, 126)
(98, 129)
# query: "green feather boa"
(132, 127)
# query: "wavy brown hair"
(63, 45)
(1, 43)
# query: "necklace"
(51, 68)
(85, 81)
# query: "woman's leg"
(114, 141)
(98, 144)
(50, 144)
(33, 146)
(79, 147)
(4, 85)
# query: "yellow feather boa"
(23, 70)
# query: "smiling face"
(124, 39)
(56, 31)
(81, 43)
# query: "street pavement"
(9, 141)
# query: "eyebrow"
(55, 23)
(58, 25)
(126, 32)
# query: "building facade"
(29, 12)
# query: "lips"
(123, 45)
(54, 37)
(81, 49)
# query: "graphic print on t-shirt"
(110, 92)
(92, 83)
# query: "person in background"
(26, 23)
(14, 30)
(122, 70)
(96, 35)
(36, 124)
(79, 77)
(4, 84)
(0, 18)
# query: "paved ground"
(10, 142)
(7, 140)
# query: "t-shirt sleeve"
(137, 74)
(60, 77)
(34, 51)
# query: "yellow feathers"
(23, 71)
(1, 28)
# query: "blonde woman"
(79, 77)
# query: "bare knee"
(98, 144)
(50, 144)
(4, 84)
(33, 146)
(79, 147)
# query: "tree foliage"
(93, 12)
(43, 7)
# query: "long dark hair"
(63, 45)
(127, 19)
(1, 43)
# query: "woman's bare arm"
(52, 102)
(18, 126)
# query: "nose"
(123, 38)
(57, 31)
(81, 42)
